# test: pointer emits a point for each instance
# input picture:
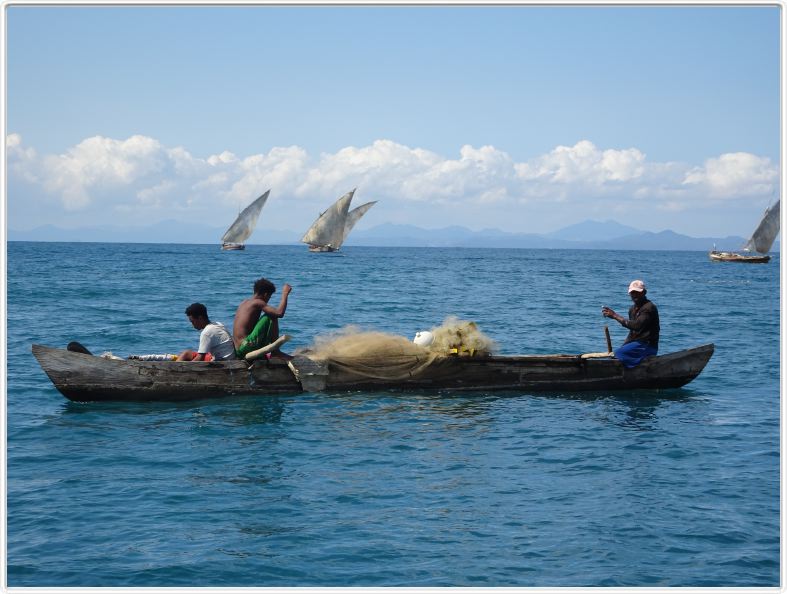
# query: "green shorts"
(259, 337)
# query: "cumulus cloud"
(585, 165)
(100, 164)
(139, 174)
(477, 175)
(734, 175)
(21, 160)
(281, 168)
(13, 144)
(385, 165)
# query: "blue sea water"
(650, 488)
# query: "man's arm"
(611, 313)
(642, 319)
(278, 312)
(205, 343)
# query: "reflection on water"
(634, 410)
(240, 410)
(470, 404)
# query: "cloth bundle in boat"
(155, 357)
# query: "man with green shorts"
(256, 324)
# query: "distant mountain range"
(587, 235)
(163, 232)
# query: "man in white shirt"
(215, 343)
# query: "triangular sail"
(354, 215)
(328, 229)
(764, 235)
(244, 225)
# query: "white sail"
(244, 225)
(328, 230)
(764, 235)
(354, 215)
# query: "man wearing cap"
(643, 324)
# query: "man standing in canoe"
(256, 326)
(643, 324)
(215, 343)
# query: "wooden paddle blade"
(268, 348)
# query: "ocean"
(643, 488)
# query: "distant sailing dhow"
(761, 240)
(332, 227)
(243, 227)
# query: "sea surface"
(642, 488)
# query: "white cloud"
(13, 142)
(476, 175)
(584, 165)
(413, 175)
(385, 167)
(281, 168)
(225, 157)
(156, 195)
(141, 177)
(21, 160)
(99, 164)
(623, 165)
(735, 175)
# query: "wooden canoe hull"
(543, 373)
(87, 378)
(735, 257)
(232, 246)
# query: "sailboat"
(244, 225)
(332, 227)
(354, 216)
(760, 241)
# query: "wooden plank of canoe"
(312, 374)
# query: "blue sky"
(524, 118)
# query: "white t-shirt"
(215, 339)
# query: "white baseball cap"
(637, 285)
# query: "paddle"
(609, 340)
(268, 348)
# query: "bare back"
(246, 316)
(248, 313)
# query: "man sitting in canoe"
(643, 324)
(256, 326)
(214, 340)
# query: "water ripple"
(655, 488)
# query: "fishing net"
(385, 356)
(461, 337)
(371, 354)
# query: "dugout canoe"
(86, 378)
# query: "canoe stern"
(86, 378)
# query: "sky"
(523, 118)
